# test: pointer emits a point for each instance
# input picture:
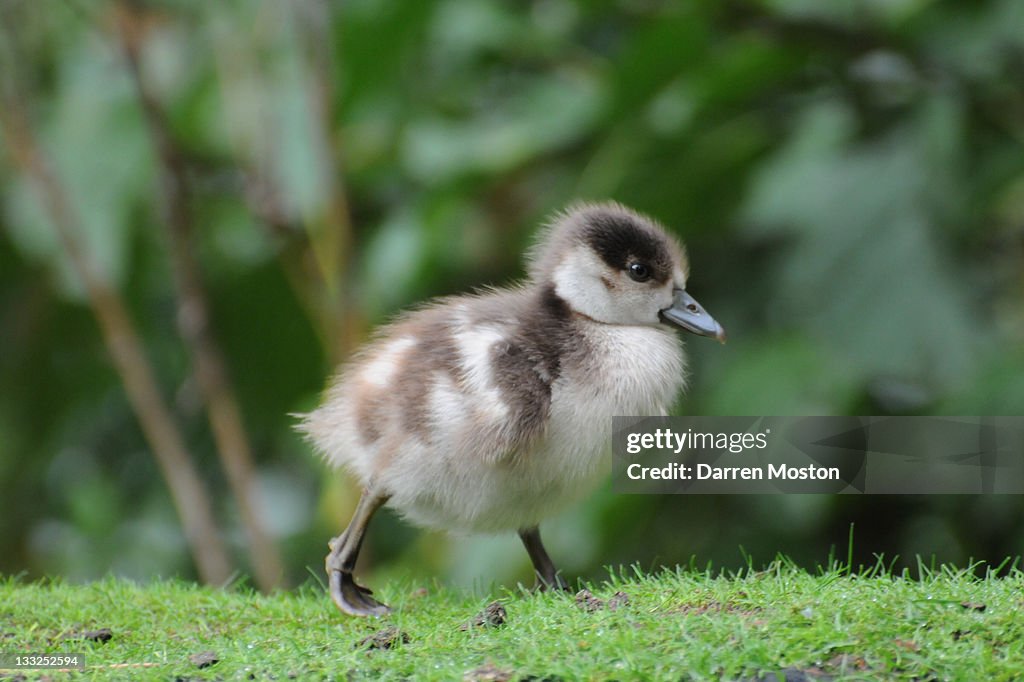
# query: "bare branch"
(333, 243)
(194, 318)
(125, 347)
(251, 128)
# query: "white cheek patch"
(379, 371)
(641, 306)
(678, 279)
(577, 281)
(665, 295)
(591, 287)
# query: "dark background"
(848, 178)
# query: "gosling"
(491, 412)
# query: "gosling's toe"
(353, 598)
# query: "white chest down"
(627, 371)
(631, 371)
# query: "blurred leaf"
(101, 153)
(864, 271)
(546, 115)
(779, 375)
(94, 505)
(391, 262)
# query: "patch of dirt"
(793, 675)
(101, 635)
(383, 639)
(493, 615)
(714, 607)
(907, 644)
(973, 606)
(488, 673)
(619, 600)
(204, 659)
(844, 663)
(586, 600)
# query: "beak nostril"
(692, 307)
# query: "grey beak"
(685, 312)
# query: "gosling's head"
(616, 266)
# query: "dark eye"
(639, 272)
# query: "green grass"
(949, 625)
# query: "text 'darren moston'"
(842, 455)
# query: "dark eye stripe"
(618, 240)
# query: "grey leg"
(547, 575)
(350, 597)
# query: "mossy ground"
(783, 621)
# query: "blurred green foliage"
(848, 177)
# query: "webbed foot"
(349, 596)
(353, 598)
